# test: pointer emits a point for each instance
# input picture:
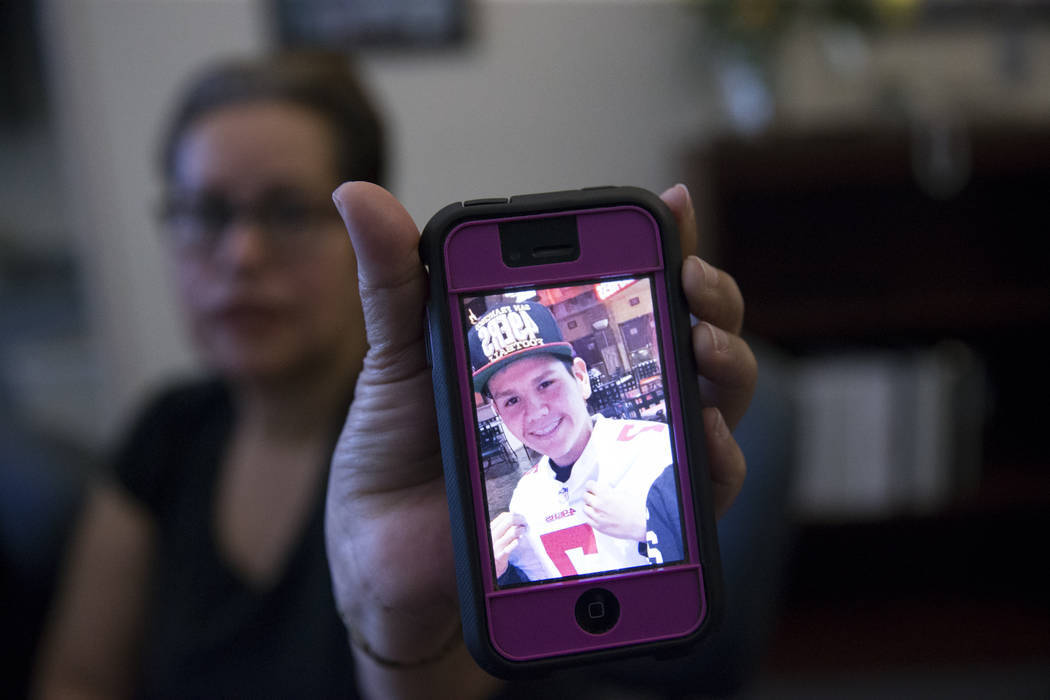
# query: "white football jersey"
(558, 541)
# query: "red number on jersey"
(629, 433)
(559, 542)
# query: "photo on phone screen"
(572, 430)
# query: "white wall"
(28, 169)
(546, 96)
(975, 73)
(114, 65)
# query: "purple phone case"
(535, 623)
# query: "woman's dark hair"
(323, 82)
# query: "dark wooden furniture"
(835, 243)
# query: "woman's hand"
(389, 542)
(728, 371)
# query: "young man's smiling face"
(544, 404)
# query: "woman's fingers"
(712, 294)
(391, 278)
(728, 370)
(728, 467)
(680, 203)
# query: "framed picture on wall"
(349, 24)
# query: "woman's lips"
(248, 317)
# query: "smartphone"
(570, 427)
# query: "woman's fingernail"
(693, 267)
(679, 192)
(710, 275)
(338, 200)
(688, 197)
(718, 425)
(718, 337)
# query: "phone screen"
(572, 430)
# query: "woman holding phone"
(209, 565)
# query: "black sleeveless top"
(208, 632)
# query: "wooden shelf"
(961, 588)
(908, 633)
(836, 245)
(831, 234)
(910, 314)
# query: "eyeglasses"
(197, 222)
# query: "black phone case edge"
(452, 430)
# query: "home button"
(597, 611)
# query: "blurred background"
(872, 173)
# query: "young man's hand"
(507, 529)
(614, 513)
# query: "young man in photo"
(581, 508)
